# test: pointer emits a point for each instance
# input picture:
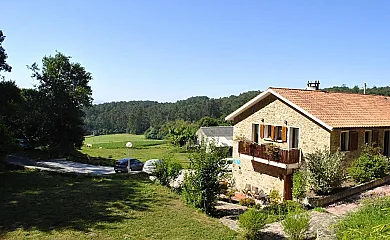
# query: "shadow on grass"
(47, 201)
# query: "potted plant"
(272, 151)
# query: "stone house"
(299, 121)
(220, 136)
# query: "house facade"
(299, 122)
(220, 136)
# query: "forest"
(148, 116)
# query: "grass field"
(39, 205)
(114, 147)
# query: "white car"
(150, 165)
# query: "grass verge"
(42, 205)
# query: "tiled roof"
(341, 110)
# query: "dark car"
(128, 164)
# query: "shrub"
(324, 170)
(167, 170)
(274, 197)
(249, 202)
(369, 165)
(277, 212)
(371, 221)
(230, 194)
(252, 221)
(296, 225)
(319, 209)
(299, 185)
(201, 185)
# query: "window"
(255, 132)
(344, 141)
(367, 137)
(278, 133)
(268, 131)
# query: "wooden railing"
(259, 150)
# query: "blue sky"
(167, 50)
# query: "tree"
(65, 92)
(201, 185)
(3, 56)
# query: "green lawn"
(113, 147)
(39, 205)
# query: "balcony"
(282, 156)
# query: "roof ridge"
(332, 92)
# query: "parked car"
(150, 165)
(128, 164)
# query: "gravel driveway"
(61, 165)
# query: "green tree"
(65, 93)
(3, 56)
(201, 185)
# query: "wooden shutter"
(261, 131)
(353, 140)
(375, 138)
(284, 134)
(273, 132)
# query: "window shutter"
(353, 140)
(375, 138)
(272, 132)
(284, 134)
(262, 131)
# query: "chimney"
(365, 88)
(313, 85)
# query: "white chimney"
(313, 85)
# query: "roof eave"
(268, 92)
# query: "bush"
(274, 197)
(167, 170)
(369, 165)
(201, 185)
(299, 185)
(252, 221)
(324, 170)
(296, 224)
(249, 202)
(371, 221)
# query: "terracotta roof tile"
(341, 110)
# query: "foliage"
(272, 150)
(299, 184)
(369, 165)
(324, 170)
(319, 209)
(274, 197)
(230, 193)
(181, 132)
(277, 212)
(248, 202)
(115, 117)
(3, 55)
(252, 221)
(384, 91)
(296, 224)
(167, 170)
(371, 221)
(154, 133)
(65, 92)
(44, 205)
(201, 185)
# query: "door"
(387, 144)
(294, 138)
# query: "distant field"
(114, 147)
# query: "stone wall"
(351, 155)
(273, 112)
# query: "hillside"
(138, 116)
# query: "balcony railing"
(260, 151)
